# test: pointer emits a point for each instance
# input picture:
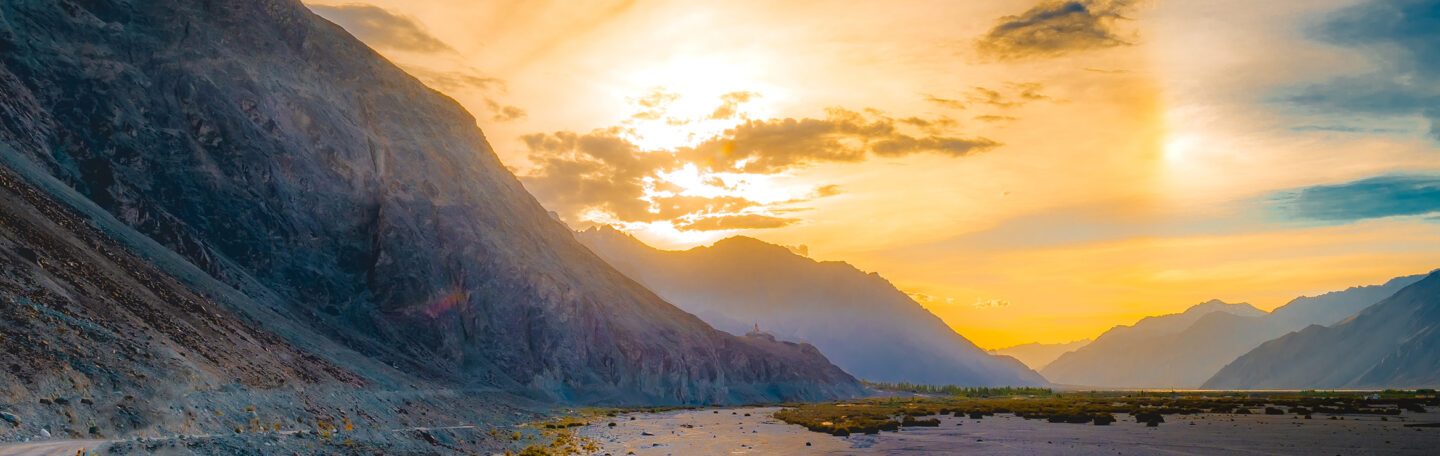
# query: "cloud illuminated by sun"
(689, 114)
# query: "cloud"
(1346, 129)
(773, 145)
(509, 113)
(730, 104)
(654, 103)
(504, 113)
(1053, 28)
(380, 28)
(1402, 40)
(945, 102)
(991, 118)
(1019, 93)
(450, 81)
(579, 175)
(734, 222)
(991, 303)
(1375, 197)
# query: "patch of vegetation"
(889, 414)
(960, 391)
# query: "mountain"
(1329, 308)
(1183, 350)
(1037, 355)
(858, 320)
(322, 207)
(1154, 352)
(1392, 344)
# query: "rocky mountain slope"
(858, 320)
(342, 209)
(1392, 344)
(1037, 355)
(1183, 350)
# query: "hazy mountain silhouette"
(1183, 350)
(1392, 344)
(1145, 354)
(353, 215)
(859, 321)
(1037, 355)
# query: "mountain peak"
(1216, 305)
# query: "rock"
(10, 418)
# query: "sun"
(685, 98)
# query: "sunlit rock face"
(858, 320)
(1392, 344)
(282, 156)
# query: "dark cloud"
(1015, 94)
(577, 173)
(945, 102)
(773, 145)
(1402, 39)
(735, 222)
(827, 190)
(504, 113)
(1052, 28)
(1376, 197)
(380, 28)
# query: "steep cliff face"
(859, 320)
(280, 155)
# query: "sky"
(1028, 171)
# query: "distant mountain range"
(859, 321)
(1037, 355)
(1392, 344)
(1184, 350)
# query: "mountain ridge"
(1184, 350)
(858, 319)
(1391, 344)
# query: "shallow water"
(729, 431)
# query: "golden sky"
(1030, 171)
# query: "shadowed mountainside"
(1037, 355)
(859, 320)
(1183, 350)
(356, 212)
(1392, 344)
(1150, 353)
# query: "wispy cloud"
(381, 28)
(1402, 39)
(990, 303)
(733, 222)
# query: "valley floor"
(731, 431)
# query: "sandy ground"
(731, 432)
(54, 447)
